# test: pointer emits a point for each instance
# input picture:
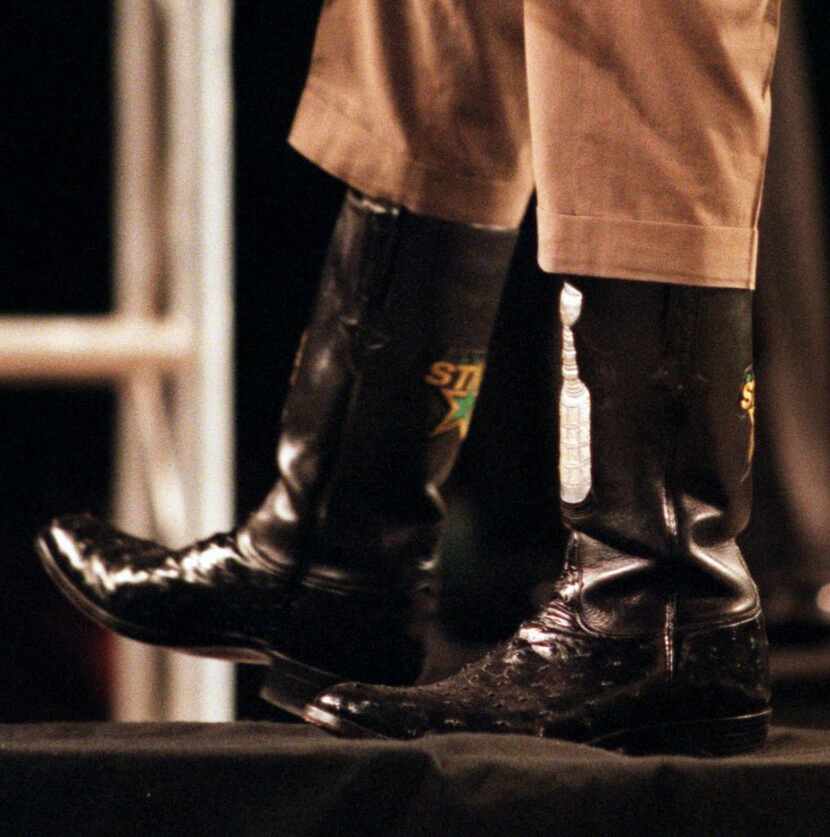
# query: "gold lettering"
(469, 377)
(440, 374)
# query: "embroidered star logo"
(458, 384)
(460, 412)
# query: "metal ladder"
(167, 346)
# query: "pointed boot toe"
(355, 710)
(87, 560)
(192, 599)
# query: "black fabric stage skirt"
(282, 779)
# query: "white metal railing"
(71, 348)
(167, 347)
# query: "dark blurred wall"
(54, 258)
(788, 542)
(285, 209)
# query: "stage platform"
(260, 778)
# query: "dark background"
(55, 257)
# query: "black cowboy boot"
(653, 639)
(319, 583)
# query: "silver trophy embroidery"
(574, 408)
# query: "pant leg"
(422, 102)
(650, 125)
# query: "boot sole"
(712, 737)
(704, 737)
(291, 685)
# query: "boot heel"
(710, 737)
(292, 686)
(728, 736)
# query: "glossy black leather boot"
(653, 639)
(319, 583)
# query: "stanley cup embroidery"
(574, 408)
(748, 406)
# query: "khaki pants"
(643, 125)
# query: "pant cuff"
(680, 254)
(328, 135)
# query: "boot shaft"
(664, 374)
(382, 392)
(413, 398)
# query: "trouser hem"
(681, 254)
(335, 140)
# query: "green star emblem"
(460, 412)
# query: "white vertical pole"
(200, 220)
(173, 224)
(138, 671)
